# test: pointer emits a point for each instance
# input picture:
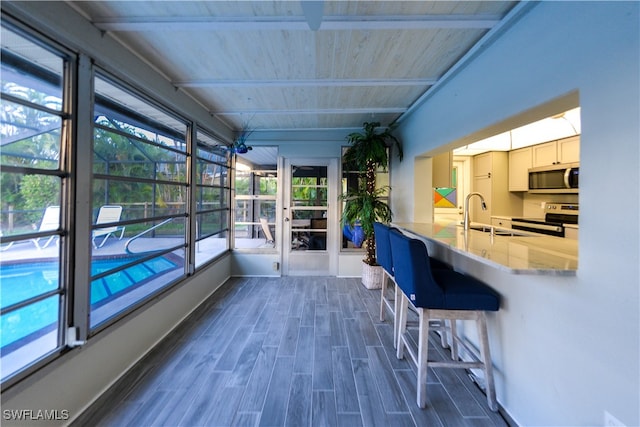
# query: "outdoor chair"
(50, 221)
(107, 214)
(7, 246)
(267, 232)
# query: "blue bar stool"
(383, 256)
(439, 294)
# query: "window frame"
(251, 199)
(187, 267)
(211, 144)
(64, 290)
(77, 217)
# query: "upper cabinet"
(520, 161)
(556, 152)
(490, 178)
(550, 153)
(569, 150)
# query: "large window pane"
(30, 137)
(351, 181)
(140, 199)
(256, 187)
(309, 186)
(140, 178)
(31, 182)
(29, 71)
(118, 281)
(132, 156)
(212, 198)
(29, 333)
(212, 235)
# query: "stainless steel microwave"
(562, 178)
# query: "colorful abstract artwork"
(445, 197)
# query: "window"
(139, 167)
(352, 180)
(256, 188)
(143, 185)
(309, 205)
(34, 144)
(212, 198)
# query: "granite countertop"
(527, 253)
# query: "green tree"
(39, 192)
(368, 153)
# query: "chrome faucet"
(466, 208)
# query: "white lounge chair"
(7, 246)
(50, 221)
(267, 233)
(107, 214)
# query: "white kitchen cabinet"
(491, 179)
(545, 154)
(555, 152)
(569, 150)
(520, 161)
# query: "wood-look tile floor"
(291, 351)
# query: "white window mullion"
(81, 252)
(192, 172)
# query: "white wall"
(566, 349)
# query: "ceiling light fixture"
(563, 116)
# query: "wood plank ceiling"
(258, 64)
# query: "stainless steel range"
(556, 215)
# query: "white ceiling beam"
(378, 110)
(304, 83)
(213, 23)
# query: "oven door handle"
(556, 228)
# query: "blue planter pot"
(354, 234)
(357, 236)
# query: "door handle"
(286, 219)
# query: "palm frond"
(368, 151)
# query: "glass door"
(310, 217)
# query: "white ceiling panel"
(258, 63)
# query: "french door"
(310, 217)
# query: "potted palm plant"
(365, 205)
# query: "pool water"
(21, 281)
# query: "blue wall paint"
(566, 348)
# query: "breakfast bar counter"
(525, 253)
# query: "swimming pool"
(21, 281)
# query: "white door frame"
(462, 164)
(317, 262)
